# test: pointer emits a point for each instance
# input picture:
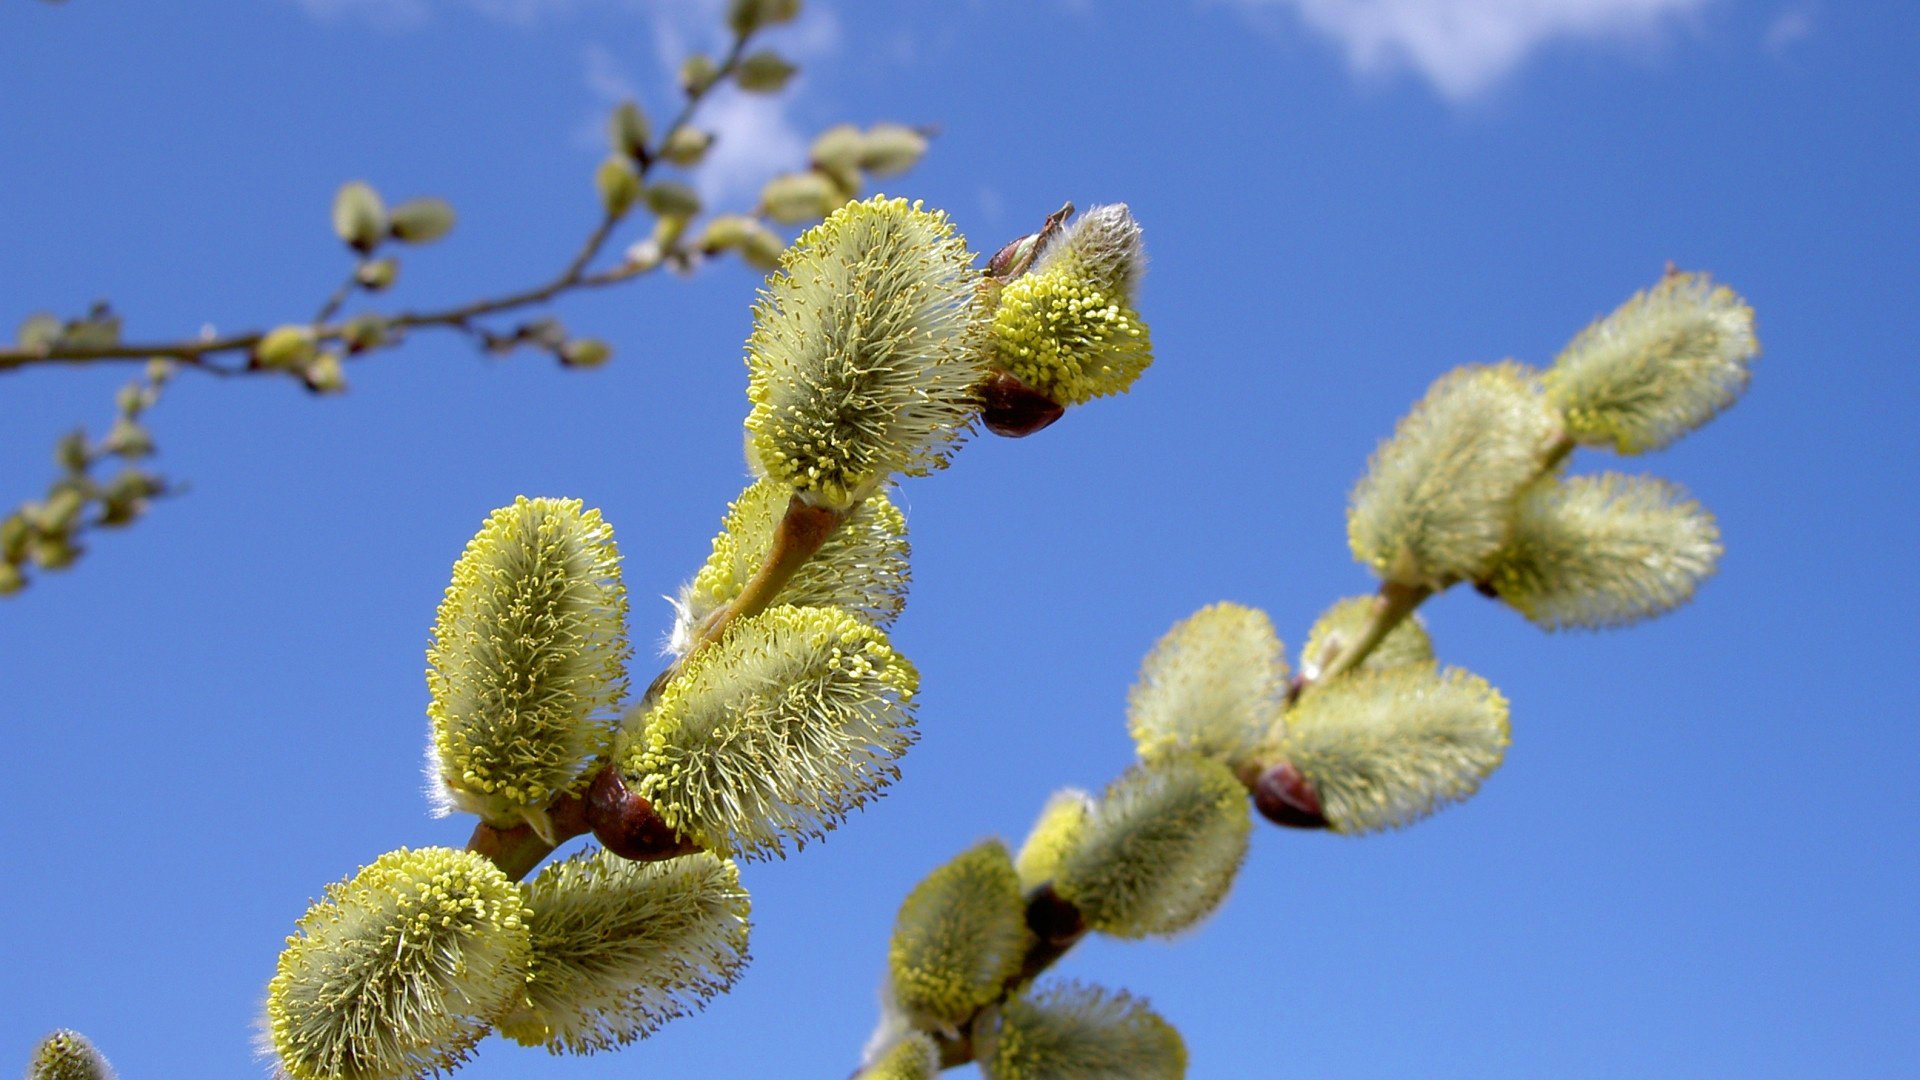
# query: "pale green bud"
(1663, 364)
(687, 145)
(421, 221)
(528, 655)
(1343, 623)
(363, 332)
(697, 73)
(960, 935)
(53, 551)
(859, 364)
(618, 184)
(585, 353)
(67, 1055)
(793, 198)
(628, 131)
(746, 16)
(359, 217)
(325, 375)
(764, 72)
(39, 330)
(377, 275)
(670, 198)
(912, 1057)
(1598, 551)
(399, 970)
(1212, 686)
(725, 232)
(129, 439)
(71, 452)
(11, 579)
(1383, 749)
(1159, 851)
(838, 147)
(1055, 833)
(15, 533)
(861, 568)
(887, 149)
(1067, 1031)
(285, 347)
(1436, 504)
(774, 733)
(622, 947)
(762, 248)
(61, 510)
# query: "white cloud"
(1464, 47)
(1788, 28)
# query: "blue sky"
(1699, 859)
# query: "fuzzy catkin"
(958, 938)
(1067, 1031)
(399, 970)
(621, 947)
(1607, 550)
(1662, 364)
(772, 734)
(859, 365)
(862, 566)
(1386, 748)
(1212, 685)
(1159, 850)
(528, 651)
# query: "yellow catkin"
(771, 735)
(621, 947)
(1436, 503)
(1160, 850)
(399, 970)
(1067, 1031)
(528, 659)
(958, 938)
(1212, 686)
(1607, 550)
(859, 365)
(1667, 361)
(1386, 748)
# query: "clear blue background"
(1699, 859)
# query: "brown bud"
(1285, 797)
(628, 825)
(1052, 918)
(1011, 408)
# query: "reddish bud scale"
(628, 825)
(1285, 797)
(1011, 408)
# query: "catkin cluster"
(1372, 733)
(785, 705)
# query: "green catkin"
(862, 567)
(1212, 686)
(1436, 503)
(860, 364)
(912, 1057)
(1386, 748)
(772, 734)
(1667, 361)
(529, 651)
(1068, 328)
(1054, 834)
(399, 970)
(1340, 625)
(958, 938)
(621, 947)
(1067, 1031)
(1160, 850)
(1607, 550)
(67, 1055)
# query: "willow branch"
(197, 352)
